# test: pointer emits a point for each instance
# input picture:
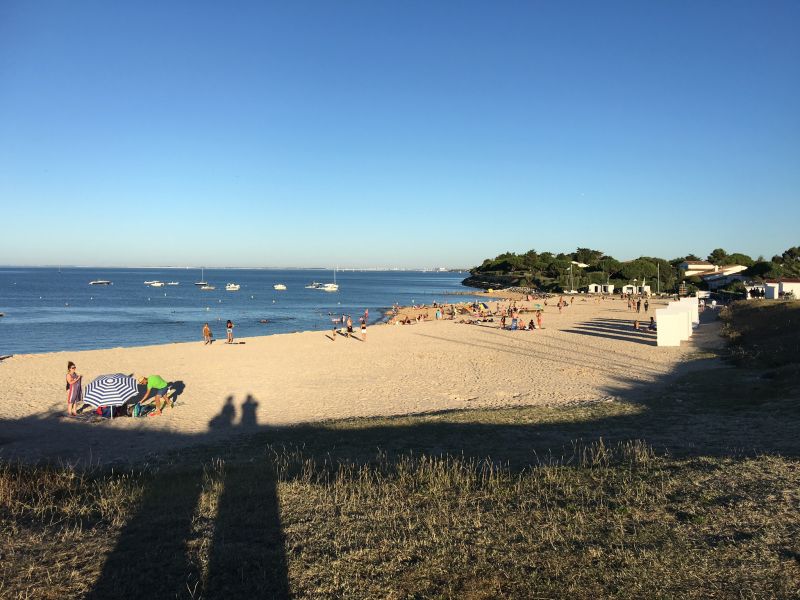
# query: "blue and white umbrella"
(110, 390)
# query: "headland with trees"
(548, 271)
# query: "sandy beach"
(589, 352)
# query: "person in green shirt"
(155, 383)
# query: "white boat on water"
(158, 284)
(173, 283)
(207, 287)
(151, 282)
(101, 282)
(232, 287)
(279, 286)
(325, 287)
(202, 281)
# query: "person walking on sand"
(74, 389)
(229, 328)
(646, 304)
(349, 326)
(639, 305)
(539, 319)
(206, 334)
(363, 329)
(161, 387)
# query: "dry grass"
(606, 522)
(763, 333)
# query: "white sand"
(305, 377)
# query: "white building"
(593, 288)
(697, 267)
(777, 288)
(607, 288)
(636, 289)
(723, 276)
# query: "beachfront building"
(691, 268)
(597, 288)
(643, 290)
(723, 276)
(778, 288)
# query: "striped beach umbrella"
(110, 390)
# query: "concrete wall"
(791, 287)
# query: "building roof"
(697, 262)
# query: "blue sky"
(395, 133)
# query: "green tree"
(740, 259)
(637, 269)
(587, 256)
(765, 270)
(718, 256)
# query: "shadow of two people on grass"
(246, 557)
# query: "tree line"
(549, 271)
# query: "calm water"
(48, 310)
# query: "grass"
(764, 334)
(691, 489)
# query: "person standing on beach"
(74, 389)
(646, 305)
(206, 334)
(349, 326)
(229, 328)
(639, 305)
(539, 319)
(363, 329)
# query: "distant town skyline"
(401, 135)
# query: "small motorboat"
(314, 286)
(158, 284)
(232, 287)
(330, 287)
(151, 282)
(173, 283)
(207, 287)
(279, 286)
(101, 282)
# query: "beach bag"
(136, 410)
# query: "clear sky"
(395, 133)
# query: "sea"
(54, 309)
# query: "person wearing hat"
(161, 387)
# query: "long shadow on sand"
(247, 556)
